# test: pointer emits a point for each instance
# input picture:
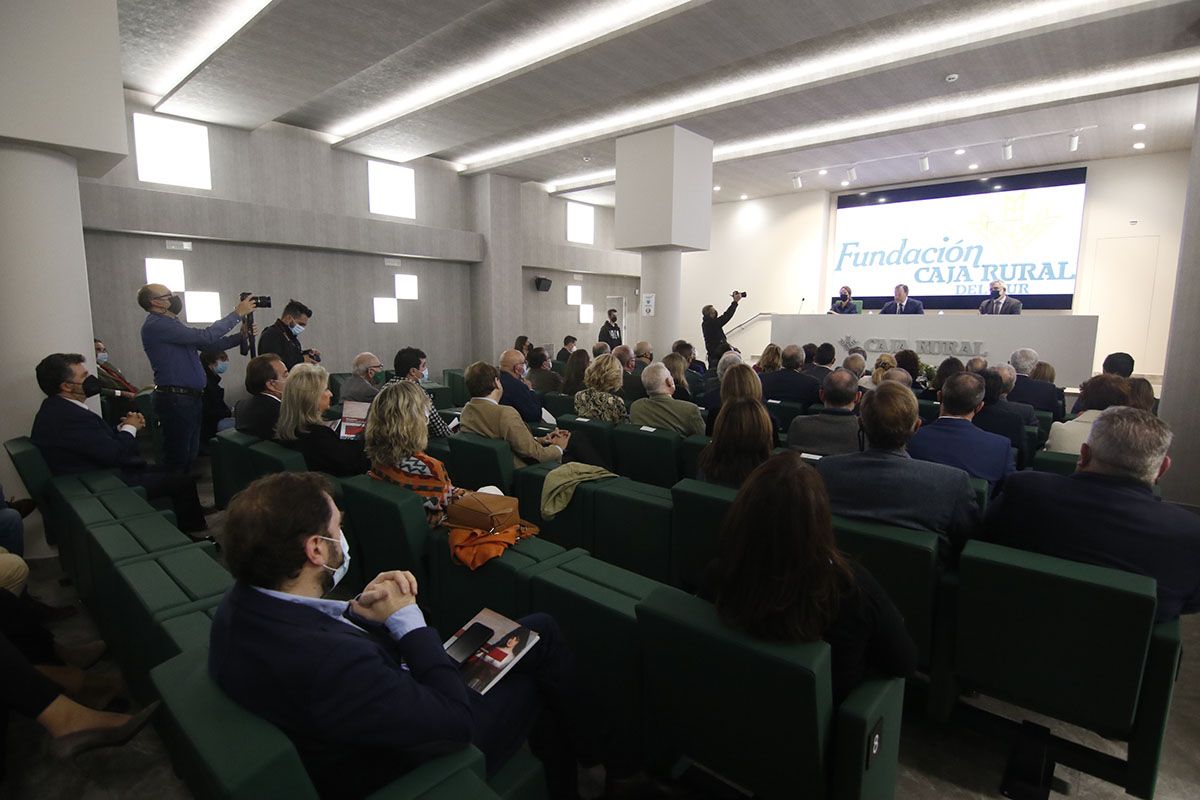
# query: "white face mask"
(340, 572)
(102, 357)
(425, 374)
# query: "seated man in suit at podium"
(903, 304)
(1000, 302)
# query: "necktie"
(901, 308)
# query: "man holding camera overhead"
(173, 349)
(283, 338)
(713, 326)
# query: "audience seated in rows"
(823, 360)
(688, 351)
(302, 426)
(898, 375)
(779, 576)
(711, 391)
(741, 441)
(789, 384)
(517, 394)
(659, 408)
(522, 345)
(360, 387)
(677, 366)
(410, 364)
(857, 364)
(72, 439)
(884, 484)
(770, 360)
(484, 415)
(1141, 395)
(910, 362)
(1106, 513)
(599, 399)
(631, 380)
(643, 354)
(738, 381)
(567, 349)
(1096, 394)
(599, 349)
(1042, 395)
(363, 688)
(112, 378)
(835, 430)
(883, 362)
(577, 366)
(257, 415)
(215, 414)
(976, 364)
(1120, 364)
(949, 366)
(395, 442)
(953, 440)
(995, 419)
(1023, 410)
(1043, 371)
(541, 376)
(810, 356)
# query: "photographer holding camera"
(173, 349)
(283, 338)
(714, 326)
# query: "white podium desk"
(1067, 342)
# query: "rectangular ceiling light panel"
(581, 223)
(171, 151)
(167, 271)
(585, 314)
(406, 287)
(391, 190)
(203, 307)
(574, 294)
(387, 309)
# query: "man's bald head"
(364, 363)
(643, 350)
(511, 361)
(898, 375)
(792, 357)
(856, 364)
(149, 293)
(839, 389)
(624, 355)
(977, 364)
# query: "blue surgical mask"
(297, 329)
(221, 367)
(102, 358)
(425, 374)
(342, 568)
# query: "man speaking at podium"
(1000, 302)
(902, 303)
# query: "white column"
(497, 316)
(44, 305)
(661, 276)
(1181, 376)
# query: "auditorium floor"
(935, 761)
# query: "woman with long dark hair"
(577, 365)
(780, 576)
(741, 441)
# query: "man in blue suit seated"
(513, 369)
(72, 438)
(953, 438)
(903, 304)
(1106, 513)
(789, 384)
(1042, 395)
(884, 484)
(363, 687)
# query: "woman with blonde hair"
(741, 382)
(396, 438)
(677, 365)
(598, 399)
(770, 360)
(301, 426)
(885, 362)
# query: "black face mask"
(845, 297)
(90, 386)
(995, 294)
(176, 304)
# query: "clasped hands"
(557, 437)
(384, 596)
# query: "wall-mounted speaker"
(542, 284)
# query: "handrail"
(741, 325)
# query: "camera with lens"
(742, 293)
(261, 301)
(315, 356)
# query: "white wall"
(773, 249)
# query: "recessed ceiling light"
(1139, 126)
(587, 159)
(952, 77)
(1007, 151)
(797, 181)
(997, 186)
(881, 200)
(983, 180)
(862, 194)
(972, 166)
(822, 172)
(845, 183)
(818, 65)
(852, 174)
(1139, 145)
(717, 188)
(744, 197)
(959, 152)
(923, 163)
(1073, 142)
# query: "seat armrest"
(866, 745)
(426, 777)
(1154, 705)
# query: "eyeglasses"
(375, 366)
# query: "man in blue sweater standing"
(173, 349)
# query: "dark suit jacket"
(73, 439)
(257, 416)
(520, 397)
(278, 339)
(1022, 410)
(1042, 395)
(818, 372)
(563, 355)
(1011, 305)
(831, 432)
(791, 387)
(325, 451)
(545, 380)
(958, 443)
(1105, 520)
(894, 489)
(1008, 424)
(631, 387)
(357, 717)
(910, 307)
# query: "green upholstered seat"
(574, 526)
(698, 511)
(187, 631)
(107, 544)
(336, 379)
(760, 714)
(1045, 420)
(230, 465)
(267, 458)
(477, 461)
(390, 529)
(559, 367)
(1060, 463)
(558, 403)
(631, 523)
(929, 410)
(982, 492)
(458, 386)
(647, 454)
(443, 396)
(597, 432)
(783, 412)
(78, 513)
(905, 563)
(689, 454)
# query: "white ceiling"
(323, 64)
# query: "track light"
(852, 174)
(1073, 142)
(1007, 151)
(923, 162)
(797, 181)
